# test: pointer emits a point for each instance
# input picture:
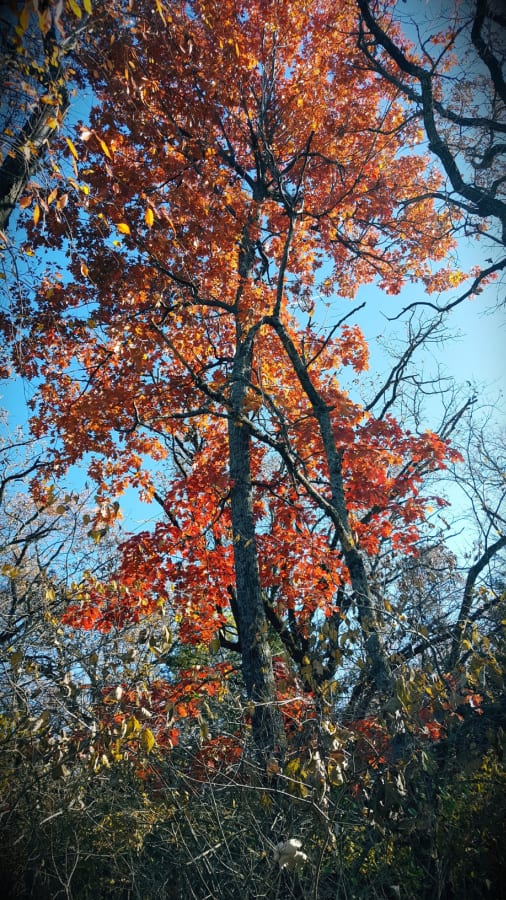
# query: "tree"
(222, 206)
(63, 750)
(36, 42)
(258, 180)
(452, 81)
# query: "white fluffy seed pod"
(289, 854)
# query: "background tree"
(450, 73)
(67, 747)
(36, 42)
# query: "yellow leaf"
(84, 270)
(16, 658)
(76, 9)
(292, 767)
(45, 21)
(87, 6)
(24, 18)
(147, 740)
(105, 148)
(52, 196)
(160, 11)
(96, 534)
(149, 217)
(72, 148)
(36, 214)
(265, 800)
(133, 727)
(123, 228)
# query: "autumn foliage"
(240, 167)
(247, 170)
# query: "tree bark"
(34, 137)
(252, 623)
(17, 169)
(377, 658)
(459, 631)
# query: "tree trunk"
(33, 139)
(377, 658)
(252, 625)
(16, 170)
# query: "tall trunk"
(377, 658)
(257, 669)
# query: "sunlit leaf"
(147, 740)
(72, 148)
(76, 9)
(24, 18)
(105, 148)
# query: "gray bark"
(376, 656)
(252, 625)
(459, 632)
(16, 170)
(252, 622)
